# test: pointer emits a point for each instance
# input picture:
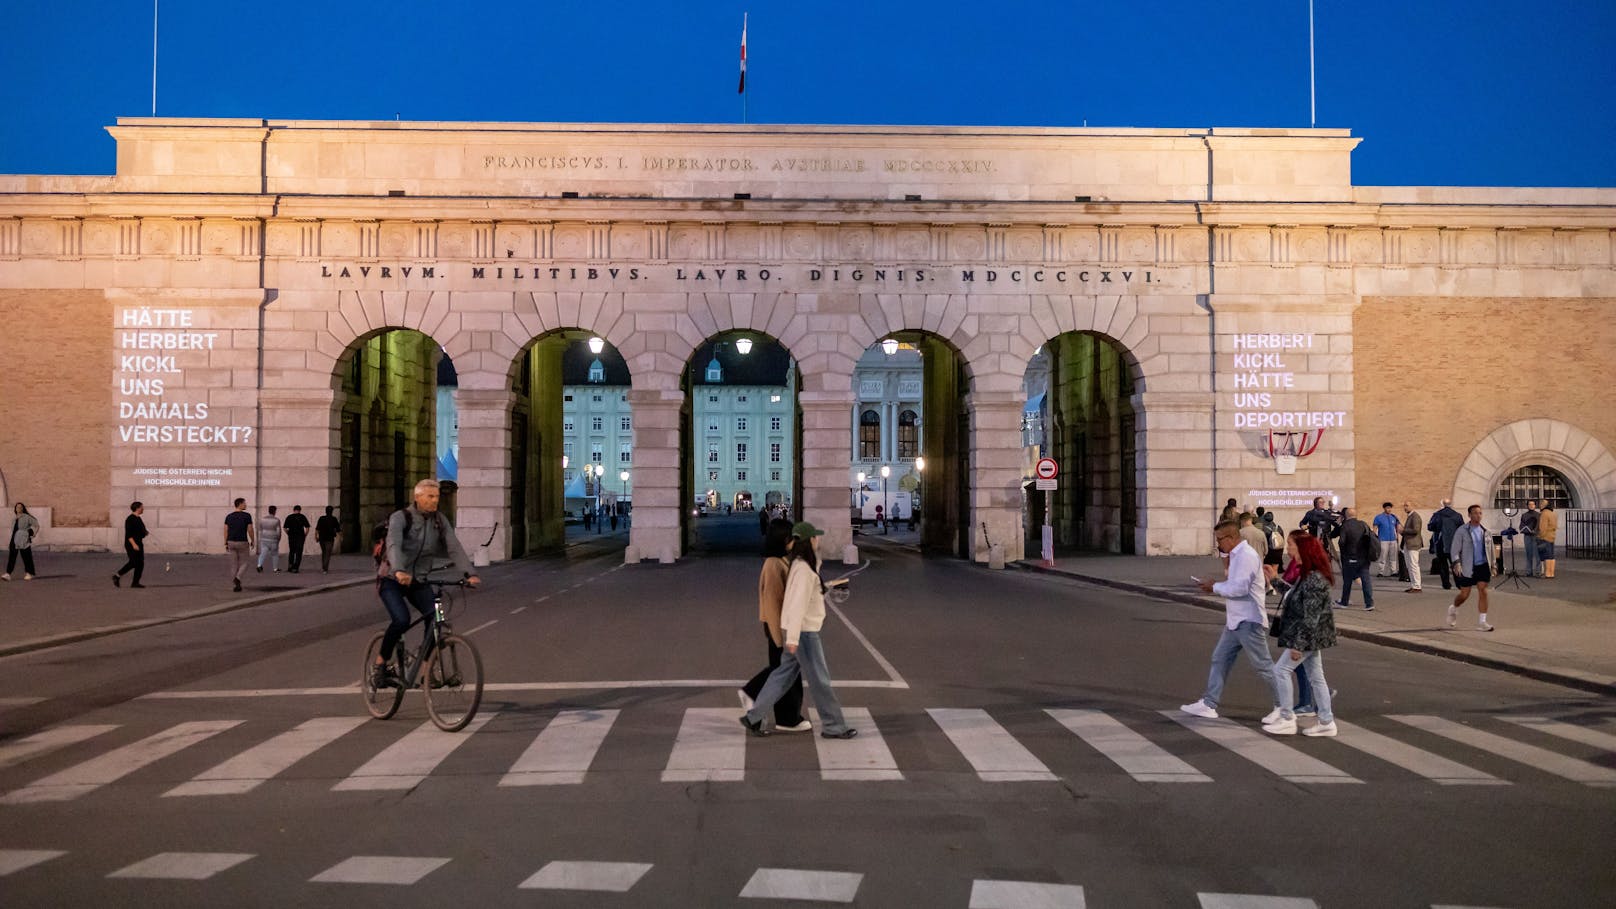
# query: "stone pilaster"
(996, 473)
(300, 451)
(1174, 472)
(827, 459)
(485, 470)
(655, 531)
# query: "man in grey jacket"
(1471, 555)
(419, 541)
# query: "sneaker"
(260, 569)
(5, 577)
(1199, 708)
(380, 677)
(1369, 607)
(117, 580)
(1414, 590)
(237, 587)
(27, 577)
(1306, 711)
(1453, 616)
(746, 701)
(844, 734)
(1484, 627)
(1324, 729)
(1272, 716)
(799, 726)
(1281, 727)
(754, 728)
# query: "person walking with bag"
(134, 545)
(1305, 627)
(771, 600)
(801, 615)
(24, 527)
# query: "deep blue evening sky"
(1457, 92)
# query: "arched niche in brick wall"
(1583, 460)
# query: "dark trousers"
(27, 559)
(1445, 572)
(1350, 571)
(787, 710)
(294, 551)
(136, 561)
(325, 554)
(398, 599)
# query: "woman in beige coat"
(771, 597)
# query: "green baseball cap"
(805, 530)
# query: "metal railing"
(1588, 533)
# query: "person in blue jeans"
(1358, 552)
(1305, 628)
(802, 613)
(1245, 628)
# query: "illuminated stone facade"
(1239, 282)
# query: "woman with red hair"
(1305, 627)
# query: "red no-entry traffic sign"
(1047, 470)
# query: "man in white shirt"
(1245, 628)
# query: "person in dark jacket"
(1321, 523)
(1358, 551)
(1305, 628)
(134, 545)
(297, 532)
(1442, 525)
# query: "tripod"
(1510, 576)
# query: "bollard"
(996, 556)
(479, 559)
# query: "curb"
(87, 634)
(1568, 678)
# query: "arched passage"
(1583, 460)
(1080, 411)
(740, 441)
(572, 438)
(385, 413)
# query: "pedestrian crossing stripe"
(809, 885)
(712, 746)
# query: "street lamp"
(886, 509)
(596, 345)
(889, 346)
(743, 346)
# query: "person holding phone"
(1245, 628)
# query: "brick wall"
(56, 402)
(1534, 358)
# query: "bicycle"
(447, 668)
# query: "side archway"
(1583, 460)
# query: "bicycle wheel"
(454, 683)
(381, 702)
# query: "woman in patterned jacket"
(1305, 627)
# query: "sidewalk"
(73, 599)
(1559, 631)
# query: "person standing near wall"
(297, 532)
(1357, 554)
(1529, 522)
(24, 527)
(1548, 528)
(1442, 526)
(326, 531)
(1387, 531)
(1413, 541)
(134, 545)
(239, 538)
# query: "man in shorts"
(1471, 555)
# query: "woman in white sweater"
(801, 616)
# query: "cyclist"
(419, 539)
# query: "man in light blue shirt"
(1245, 628)
(1387, 529)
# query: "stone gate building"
(255, 308)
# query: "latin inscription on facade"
(598, 162)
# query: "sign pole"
(1049, 528)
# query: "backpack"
(1276, 540)
(378, 542)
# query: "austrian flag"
(742, 89)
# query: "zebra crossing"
(570, 875)
(710, 746)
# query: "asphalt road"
(608, 738)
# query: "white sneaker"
(29, 577)
(5, 577)
(802, 726)
(1199, 708)
(1484, 627)
(1280, 727)
(1272, 717)
(746, 702)
(1324, 729)
(1453, 616)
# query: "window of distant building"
(908, 435)
(740, 476)
(741, 398)
(774, 424)
(712, 453)
(869, 436)
(595, 453)
(596, 423)
(625, 453)
(712, 476)
(626, 424)
(774, 452)
(566, 425)
(740, 452)
(1545, 484)
(774, 476)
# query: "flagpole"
(1312, 95)
(154, 58)
(743, 68)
